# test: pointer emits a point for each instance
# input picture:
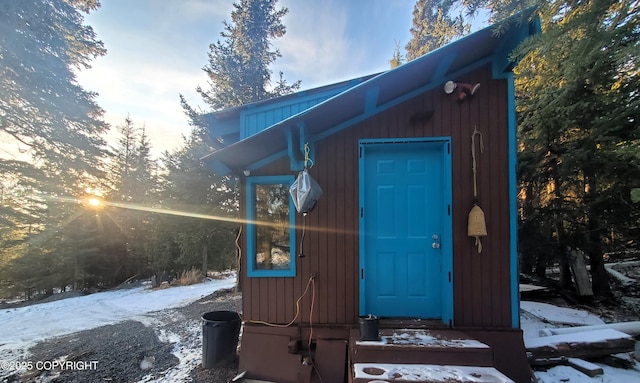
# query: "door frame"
(446, 239)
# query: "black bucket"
(369, 328)
(220, 333)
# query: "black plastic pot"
(220, 333)
(369, 328)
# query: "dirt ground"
(170, 341)
(132, 351)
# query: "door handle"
(436, 241)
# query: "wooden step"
(425, 373)
(420, 346)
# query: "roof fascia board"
(399, 100)
(436, 79)
(443, 66)
(219, 167)
(433, 53)
(299, 118)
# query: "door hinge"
(449, 209)
(448, 148)
(360, 152)
(361, 212)
(361, 273)
(449, 276)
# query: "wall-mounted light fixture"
(246, 172)
(464, 89)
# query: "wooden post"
(204, 260)
(580, 274)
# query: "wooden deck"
(415, 353)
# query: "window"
(271, 227)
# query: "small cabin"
(402, 157)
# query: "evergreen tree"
(396, 59)
(578, 104)
(238, 66)
(145, 171)
(47, 115)
(122, 167)
(433, 27)
(133, 180)
(189, 186)
(42, 107)
(239, 73)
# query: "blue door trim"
(446, 242)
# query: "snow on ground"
(562, 374)
(536, 316)
(560, 315)
(188, 353)
(23, 327)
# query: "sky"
(156, 50)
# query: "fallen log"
(625, 360)
(615, 274)
(630, 328)
(585, 367)
(586, 344)
(581, 365)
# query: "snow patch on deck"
(428, 372)
(410, 337)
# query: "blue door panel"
(385, 274)
(386, 212)
(417, 206)
(402, 192)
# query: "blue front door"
(405, 215)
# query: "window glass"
(271, 228)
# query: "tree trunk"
(558, 226)
(599, 276)
(565, 269)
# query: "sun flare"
(95, 202)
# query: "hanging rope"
(307, 159)
(473, 157)
(476, 226)
(304, 230)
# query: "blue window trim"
(250, 185)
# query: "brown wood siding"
(331, 248)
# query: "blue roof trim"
(396, 101)
(443, 66)
(376, 94)
(230, 124)
(219, 167)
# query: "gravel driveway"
(162, 346)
